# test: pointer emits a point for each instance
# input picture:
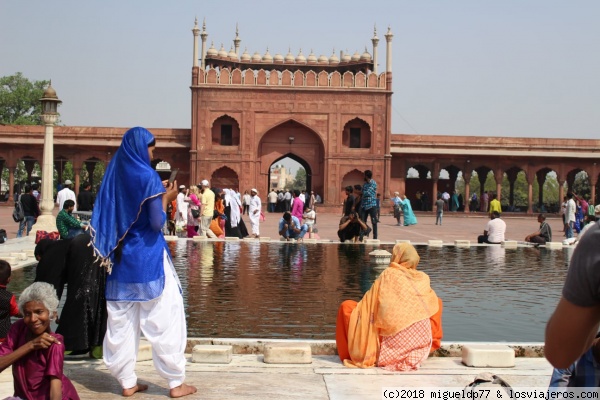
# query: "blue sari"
(127, 220)
(409, 215)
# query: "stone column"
(203, 36)
(11, 184)
(467, 199)
(530, 178)
(388, 61)
(498, 176)
(29, 168)
(196, 33)
(434, 190)
(375, 41)
(46, 221)
(77, 172)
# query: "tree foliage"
(20, 100)
(299, 181)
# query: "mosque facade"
(332, 114)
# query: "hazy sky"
(461, 67)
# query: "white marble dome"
(267, 57)
(278, 58)
(323, 59)
(312, 59)
(256, 57)
(346, 57)
(289, 57)
(246, 56)
(232, 56)
(333, 59)
(300, 59)
(222, 52)
(355, 56)
(365, 56)
(212, 52)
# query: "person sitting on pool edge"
(398, 322)
(542, 235)
(35, 353)
(494, 230)
(290, 227)
(351, 226)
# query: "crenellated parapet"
(288, 78)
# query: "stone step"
(9, 259)
(435, 243)
(212, 354)
(232, 239)
(402, 241)
(373, 241)
(510, 244)
(554, 245)
(21, 256)
(488, 355)
(287, 353)
(462, 243)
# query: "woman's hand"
(43, 341)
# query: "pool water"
(291, 290)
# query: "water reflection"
(292, 290)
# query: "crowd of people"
(122, 282)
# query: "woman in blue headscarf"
(142, 289)
(409, 216)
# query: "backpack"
(18, 213)
(493, 385)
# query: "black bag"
(195, 212)
(18, 213)
(3, 237)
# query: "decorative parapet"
(295, 79)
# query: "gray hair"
(42, 292)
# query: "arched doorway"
(278, 173)
(225, 178)
(300, 143)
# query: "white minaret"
(237, 40)
(196, 32)
(388, 38)
(203, 36)
(375, 41)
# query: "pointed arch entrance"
(300, 143)
(275, 173)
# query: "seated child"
(8, 302)
(35, 353)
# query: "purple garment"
(297, 208)
(32, 372)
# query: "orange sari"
(400, 297)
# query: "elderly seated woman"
(35, 353)
(398, 322)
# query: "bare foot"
(137, 388)
(182, 390)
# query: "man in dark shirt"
(85, 198)
(31, 210)
(542, 235)
(349, 202)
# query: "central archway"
(300, 143)
(272, 176)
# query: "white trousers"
(255, 223)
(162, 321)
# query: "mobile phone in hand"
(173, 176)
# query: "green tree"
(20, 100)
(299, 181)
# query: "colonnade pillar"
(530, 178)
(467, 178)
(11, 184)
(498, 175)
(434, 191)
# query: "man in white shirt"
(182, 206)
(272, 200)
(494, 230)
(254, 213)
(66, 194)
(570, 215)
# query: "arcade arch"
(299, 142)
(225, 178)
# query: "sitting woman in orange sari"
(398, 322)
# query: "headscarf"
(128, 182)
(234, 204)
(399, 297)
